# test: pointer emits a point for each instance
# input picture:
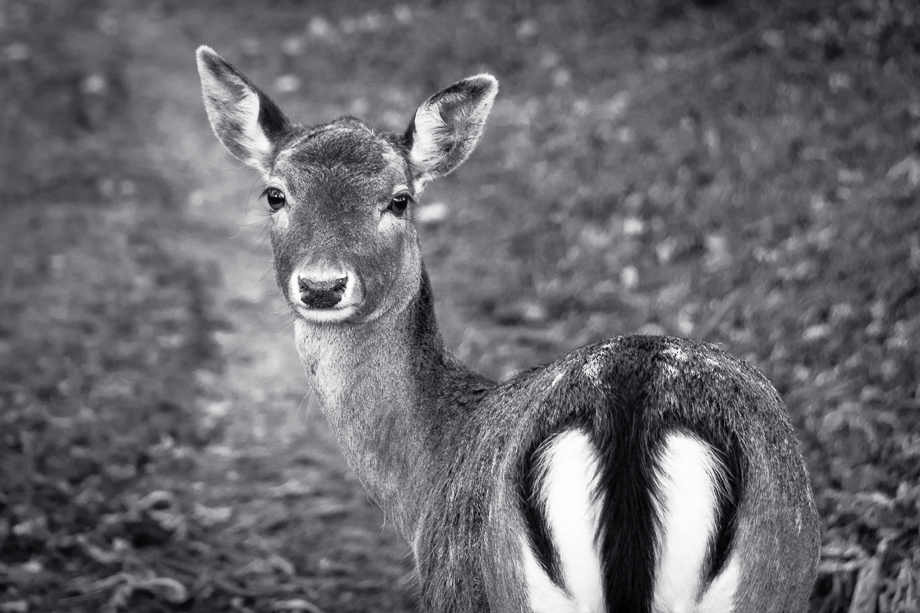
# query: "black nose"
(321, 294)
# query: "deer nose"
(322, 294)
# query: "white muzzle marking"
(323, 275)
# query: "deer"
(641, 474)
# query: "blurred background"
(746, 173)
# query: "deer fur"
(640, 474)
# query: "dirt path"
(281, 503)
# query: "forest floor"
(720, 170)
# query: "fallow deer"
(635, 475)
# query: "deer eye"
(275, 198)
(399, 204)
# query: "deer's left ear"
(448, 125)
(244, 119)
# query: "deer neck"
(393, 396)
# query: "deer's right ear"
(448, 125)
(244, 119)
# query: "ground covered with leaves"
(745, 174)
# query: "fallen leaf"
(210, 516)
(168, 589)
(865, 597)
(296, 604)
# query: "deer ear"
(244, 119)
(447, 126)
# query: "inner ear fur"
(245, 120)
(447, 127)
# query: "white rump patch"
(720, 597)
(689, 480)
(544, 595)
(572, 513)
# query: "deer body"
(641, 474)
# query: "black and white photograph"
(471, 306)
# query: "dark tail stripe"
(629, 522)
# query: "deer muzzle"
(322, 294)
